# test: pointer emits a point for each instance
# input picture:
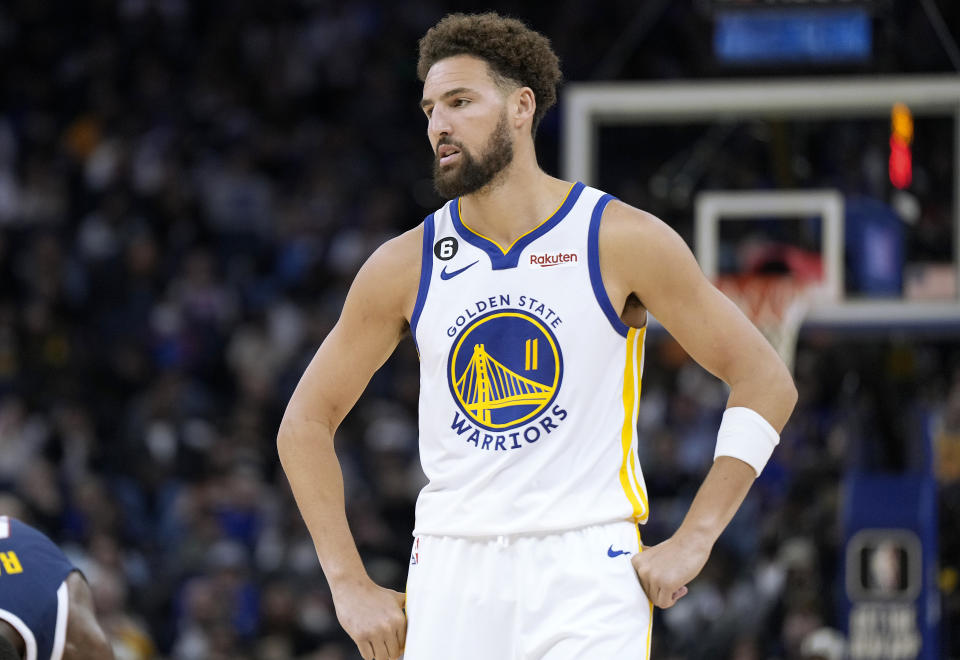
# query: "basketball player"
(527, 298)
(46, 608)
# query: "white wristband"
(744, 434)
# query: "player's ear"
(523, 105)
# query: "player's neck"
(521, 198)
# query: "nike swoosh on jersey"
(616, 553)
(444, 275)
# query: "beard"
(471, 174)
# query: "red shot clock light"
(901, 165)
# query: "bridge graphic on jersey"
(486, 385)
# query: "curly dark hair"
(517, 56)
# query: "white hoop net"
(777, 305)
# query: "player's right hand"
(374, 618)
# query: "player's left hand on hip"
(665, 569)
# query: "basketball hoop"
(776, 303)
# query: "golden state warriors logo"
(505, 368)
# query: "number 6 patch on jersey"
(446, 248)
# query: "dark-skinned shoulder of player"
(46, 606)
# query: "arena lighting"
(901, 165)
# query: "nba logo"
(415, 553)
(884, 564)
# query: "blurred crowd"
(186, 190)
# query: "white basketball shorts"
(566, 596)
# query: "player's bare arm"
(646, 266)
(85, 638)
(375, 317)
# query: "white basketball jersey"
(529, 380)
